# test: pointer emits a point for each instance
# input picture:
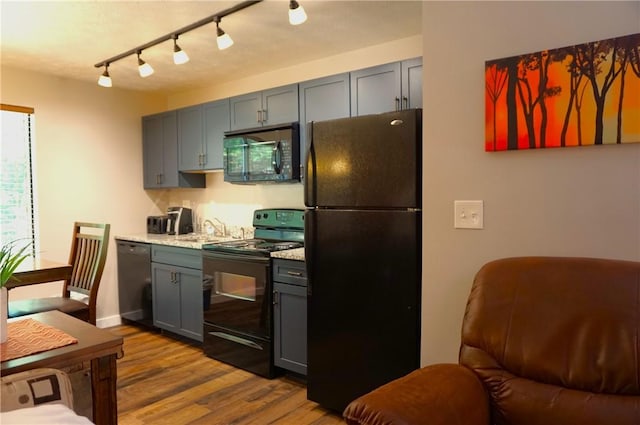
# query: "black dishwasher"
(134, 282)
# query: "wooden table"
(38, 270)
(96, 345)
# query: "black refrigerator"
(363, 243)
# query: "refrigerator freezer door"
(370, 161)
(364, 271)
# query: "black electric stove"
(274, 230)
(238, 310)
(261, 247)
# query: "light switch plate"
(468, 214)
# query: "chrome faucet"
(219, 229)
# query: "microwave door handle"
(276, 158)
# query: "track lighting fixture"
(224, 40)
(144, 68)
(105, 79)
(179, 55)
(297, 15)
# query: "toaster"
(157, 224)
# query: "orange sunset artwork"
(582, 95)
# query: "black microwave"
(263, 154)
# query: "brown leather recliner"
(545, 341)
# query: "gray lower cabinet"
(290, 315)
(176, 278)
(390, 87)
(322, 99)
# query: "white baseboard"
(107, 322)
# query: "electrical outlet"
(468, 214)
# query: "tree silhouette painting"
(587, 94)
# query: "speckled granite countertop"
(195, 241)
(290, 254)
(184, 241)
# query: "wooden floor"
(165, 381)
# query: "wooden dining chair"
(88, 255)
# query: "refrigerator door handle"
(309, 242)
(310, 170)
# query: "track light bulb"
(224, 40)
(179, 55)
(297, 15)
(144, 68)
(105, 79)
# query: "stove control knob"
(265, 215)
(258, 216)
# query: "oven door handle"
(236, 257)
(236, 339)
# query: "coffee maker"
(180, 221)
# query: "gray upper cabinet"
(179, 145)
(375, 90)
(274, 106)
(190, 138)
(322, 99)
(160, 147)
(411, 83)
(217, 120)
(153, 148)
(160, 154)
(200, 133)
(389, 87)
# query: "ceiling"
(66, 38)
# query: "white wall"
(567, 202)
(88, 166)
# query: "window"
(17, 218)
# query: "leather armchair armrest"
(441, 394)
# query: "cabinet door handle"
(275, 297)
(397, 104)
(291, 273)
(259, 116)
(204, 159)
(264, 115)
(405, 102)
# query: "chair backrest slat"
(85, 267)
(88, 256)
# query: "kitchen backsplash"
(230, 203)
